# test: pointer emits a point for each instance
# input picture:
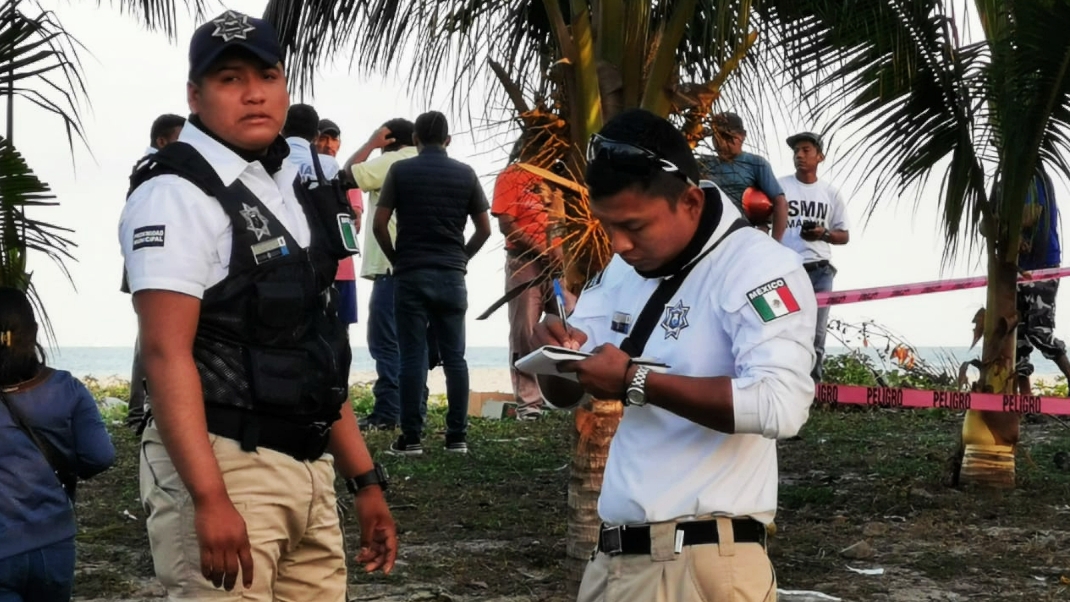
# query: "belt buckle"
(611, 540)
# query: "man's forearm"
(178, 410)
(706, 401)
(360, 156)
(475, 243)
(382, 236)
(351, 457)
(780, 216)
(839, 237)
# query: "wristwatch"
(636, 393)
(826, 235)
(376, 476)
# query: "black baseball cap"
(637, 140)
(728, 122)
(330, 128)
(229, 30)
(811, 137)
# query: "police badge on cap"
(229, 30)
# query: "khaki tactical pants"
(290, 516)
(721, 572)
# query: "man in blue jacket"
(1036, 300)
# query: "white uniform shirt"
(820, 202)
(301, 155)
(663, 467)
(176, 238)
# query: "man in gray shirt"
(734, 170)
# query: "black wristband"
(376, 476)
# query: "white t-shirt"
(663, 467)
(174, 237)
(301, 155)
(819, 202)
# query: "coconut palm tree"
(926, 95)
(39, 65)
(565, 66)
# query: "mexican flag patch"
(773, 300)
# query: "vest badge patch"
(270, 249)
(675, 319)
(256, 222)
(773, 300)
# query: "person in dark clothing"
(36, 514)
(165, 130)
(434, 196)
(1036, 300)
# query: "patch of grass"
(491, 524)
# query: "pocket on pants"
(746, 576)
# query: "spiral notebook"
(545, 360)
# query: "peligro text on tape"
(887, 397)
(924, 288)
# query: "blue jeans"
(42, 575)
(383, 347)
(437, 298)
(821, 279)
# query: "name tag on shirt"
(621, 323)
(270, 249)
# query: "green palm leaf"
(21, 193)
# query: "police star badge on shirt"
(773, 300)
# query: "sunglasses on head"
(631, 158)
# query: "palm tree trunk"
(594, 428)
(989, 438)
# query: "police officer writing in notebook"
(230, 261)
(691, 480)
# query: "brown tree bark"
(595, 425)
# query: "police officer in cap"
(691, 479)
(230, 263)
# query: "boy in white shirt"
(817, 219)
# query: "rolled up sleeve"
(773, 391)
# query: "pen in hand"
(559, 295)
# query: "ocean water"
(103, 362)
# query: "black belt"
(301, 441)
(816, 265)
(636, 540)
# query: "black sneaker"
(456, 444)
(404, 447)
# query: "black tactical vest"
(271, 351)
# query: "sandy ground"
(482, 380)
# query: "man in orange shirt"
(521, 204)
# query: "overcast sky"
(134, 75)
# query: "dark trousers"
(136, 408)
(383, 347)
(42, 575)
(437, 299)
(821, 279)
(1036, 326)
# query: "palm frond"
(893, 71)
(430, 41)
(1028, 89)
(39, 63)
(159, 15)
(22, 192)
